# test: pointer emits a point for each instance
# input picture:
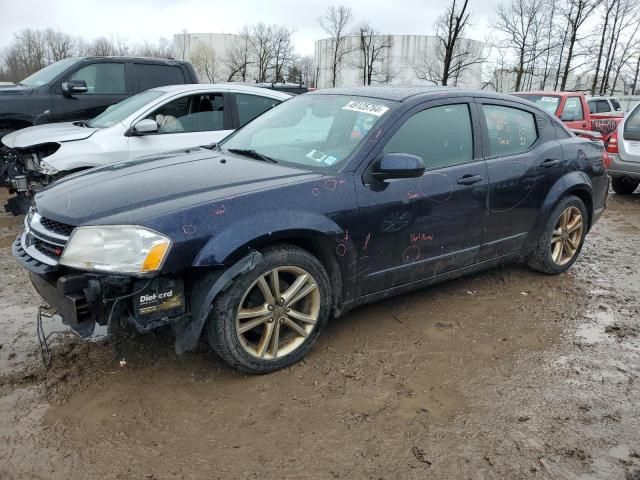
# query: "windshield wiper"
(251, 154)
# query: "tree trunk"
(601, 48)
(567, 65)
(635, 77)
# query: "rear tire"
(253, 330)
(560, 242)
(624, 185)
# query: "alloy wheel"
(278, 312)
(566, 236)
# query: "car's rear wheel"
(624, 185)
(561, 240)
(271, 316)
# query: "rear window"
(151, 75)
(616, 105)
(511, 130)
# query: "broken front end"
(84, 299)
(25, 172)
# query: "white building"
(402, 64)
(211, 48)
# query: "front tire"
(270, 317)
(561, 240)
(624, 185)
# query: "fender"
(188, 332)
(568, 183)
(227, 245)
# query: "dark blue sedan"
(331, 200)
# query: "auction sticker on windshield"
(365, 107)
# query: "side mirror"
(399, 165)
(74, 86)
(145, 126)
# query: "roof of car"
(403, 93)
(222, 87)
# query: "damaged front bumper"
(83, 300)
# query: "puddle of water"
(592, 331)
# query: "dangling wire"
(43, 340)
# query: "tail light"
(606, 159)
(612, 144)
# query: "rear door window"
(603, 106)
(511, 130)
(572, 110)
(152, 75)
(102, 78)
(442, 136)
(593, 106)
(250, 106)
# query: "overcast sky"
(138, 20)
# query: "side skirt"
(443, 277)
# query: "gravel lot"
(504, 374)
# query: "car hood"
(134, 191)
(53, 132)
(14, 90)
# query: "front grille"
(57, 227)
(47, 249)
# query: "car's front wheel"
(271, 316)
(624, 185)
(561, 240)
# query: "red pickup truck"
(572, 108)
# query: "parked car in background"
(160, 119)
(605, 106)
(624, 147)
(81, 88)
(294, 217)
(288, 87)
(573, 110)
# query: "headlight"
(47, 169)
(116, 249)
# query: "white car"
(605, 106)
(157, 120)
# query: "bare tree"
(205, 61)
(609, 4)
(61, 45)
(373, 48)
(520, 22)
(262, 46)
(634, 84)
(184, 44)
(27, 54)
(335, 23)
(453, 54)
(308, 70)
(578, 13)
(282, 52)
(161, 49)
(237, 56)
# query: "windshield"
(312, 131)
(118, 112)
(47, 74)
(548, 103)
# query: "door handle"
(470, 179)
(550, 163)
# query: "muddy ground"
(504, 374)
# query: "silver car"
(157, 120)
(625, 166)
